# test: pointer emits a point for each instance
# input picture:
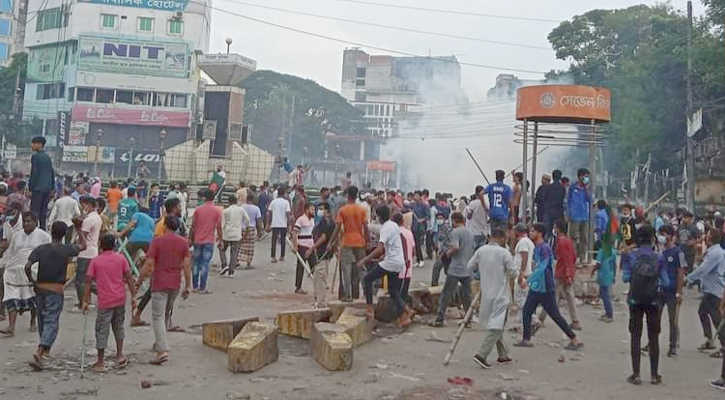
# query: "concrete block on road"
(357, 325)
(299, 323)
(218, 334)
(331, 346)
(338, 307)
(253, 348)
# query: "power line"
(352, 21)
(467, 13)
(366, 45)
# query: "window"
(145, 24)
(4, 50)
(85, 94)
(52, 18)
(142, 98)
(359, 96)
(108, 21)
(4, 27)
(104, 96)
(176, 27)
(124, 97)
(359, 82)
(71, 94)
(360, 72)
(6, 6)
(51, 91)
(178, 100)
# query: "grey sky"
(320, 59)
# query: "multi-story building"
(117, 75)
(391, 90)
(12, 28)
(506, 86)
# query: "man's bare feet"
(99, 367)
(370, 311)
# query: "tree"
(287, 106)
(640, 53)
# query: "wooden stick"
(477, 166)
(466, 319)
(334, 275)
(299, 257)
(654, 203)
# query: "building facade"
(13, 14)
(114, 82)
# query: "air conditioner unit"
(178, 15)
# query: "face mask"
(440, 221)
(585, 180)
(661, 239)
(320, 213)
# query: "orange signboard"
(563, 103)
(377, 165)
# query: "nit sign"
(133, 51)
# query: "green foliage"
(268, 107)
(640, 53)
(16, 131)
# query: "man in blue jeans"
(52, 262)
(207, 222)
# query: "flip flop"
(7, 333)
(36, 363)
(523, 343)
(122, 364)
(177, 328)
(574, 347)
(139, 323)
(160, 359)
(100, 370)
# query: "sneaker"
(225, 270)
(504, 360)
(481, 362)
(608, 320)
(672, 353)
(231, 274)
(718, 384)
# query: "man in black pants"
(279, 217)
(391, 246)
(302, 240)
(41, 180)
(542, 290)
(643, 299)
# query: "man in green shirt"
(127, 208)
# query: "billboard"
(87, 154)
(165, 5)
(78, 132)
(132, 56)
(131, 116)
(563, 103)
(46, 63)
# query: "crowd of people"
(143, 240)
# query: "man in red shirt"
(111, 273)
(564, 273)
(206, 222)
(165, 272)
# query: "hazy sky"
(320, 59)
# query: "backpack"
(644, 284)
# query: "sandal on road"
(37, 363)
(574, 347)
(634, 380)
(717, 354)
(705, 346)
(122, 363)
(177, 328)
(99, 368)
(523, 343)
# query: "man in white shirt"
(477, 215)
(279, 216)
(302, 241)
(91, 229)
(523, 256)
(234, 221)
(390, 246)
(65, 209)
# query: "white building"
(12, 28)
(122, 72)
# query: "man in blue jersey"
(499, 196)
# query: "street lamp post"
(162, 136)
(99, 134)
(229, 43)
(132, 140)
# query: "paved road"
(382, 369)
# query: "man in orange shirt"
(114, 196)
(351, 221)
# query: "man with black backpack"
(643, 299)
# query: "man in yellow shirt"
(172, 207)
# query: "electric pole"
(689, 156)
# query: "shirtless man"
(516, 198)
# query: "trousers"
(279, 235)
(300, 272)
(162, 306)
(637, 313)
(39, 205)
(320, 280)
(200, 264)
(393, 287)
(449, 290)
(579, 232)
(49, 307)
(548, 301)
(669, 300)
(708, 310)
(562, 288)
(234, 246)
(491, 338)
(350, 274)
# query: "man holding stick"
(497, 269)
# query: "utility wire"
(352, 21)
(467, 13)
(353, 43)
